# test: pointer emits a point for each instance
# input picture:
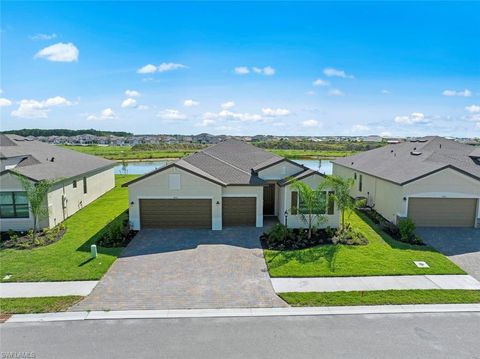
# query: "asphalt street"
(439, 335)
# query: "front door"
(269, 200)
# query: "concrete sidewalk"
(244, 312)
(335, 284)
(46, 289)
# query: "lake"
(142, 167)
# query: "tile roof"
(299, 176)
(37, 162)
(404, 162)
(231, 162)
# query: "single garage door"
(442, 212)
(176, 213)
(239, 211)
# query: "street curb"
(244, 312)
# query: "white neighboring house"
(432, 180)
(229, 184)
(78, 179)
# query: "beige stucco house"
(432, 180)
(229, 184)
(78, 179)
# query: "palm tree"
(341, 187)
(314, 204)
(36, 193)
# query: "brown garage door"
(175, 213)
(442, 212)
(239, 211)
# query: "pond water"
(142, 167)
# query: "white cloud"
(275, 112)
(331, 72)
(38, 109)
(241, 70)
(132, 93)
(129, 102)
(227, 105)
(335, 92)
(169, 66)
(412, 119)
(310, 93)
(5, 102)
(171, 115)
(238, 116)
(320, 82)
(207, 120)
(61, 52)
(360, 128)
(147, 69)
(43, 36)
(385, 92)
(311, 123)
(267, 70)
(473, 109)
(143, 107)
(190, 103)
(451, 93)
(106, 114)
(163, 67)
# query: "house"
(432, 180)
(78, 179)
(231, 183)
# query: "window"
(360, 183)
(355, 176)
(331, 203)
(74, 184)
(294, 203)
(84, 184)
(322, 204)
(174, 181)
(13, 205)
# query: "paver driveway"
(461, 245)
(187, 268)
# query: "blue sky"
(311, 68)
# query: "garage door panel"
(442, 212)
(176, 213)
(239, 211)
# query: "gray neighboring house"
(78, 180)
(229, 184)
(432, 180)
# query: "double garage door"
(196, 213)
(442, 212)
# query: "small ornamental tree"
(341, 187)
(36, 193)
(313, 205)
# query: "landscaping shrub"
(27, 240)
(116, 234)
(407, 231)
(281, 238)
(347, 235)
(361, 203)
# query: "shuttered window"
(294, 202)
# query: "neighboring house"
(432, 180)
(78, 180)
(228, 184)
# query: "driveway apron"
(187, 269)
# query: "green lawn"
(381, 297)
(36, 305)
(69, 258)
(382, 256)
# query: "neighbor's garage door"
(239, 211)
(175, 213)
(442, 212)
